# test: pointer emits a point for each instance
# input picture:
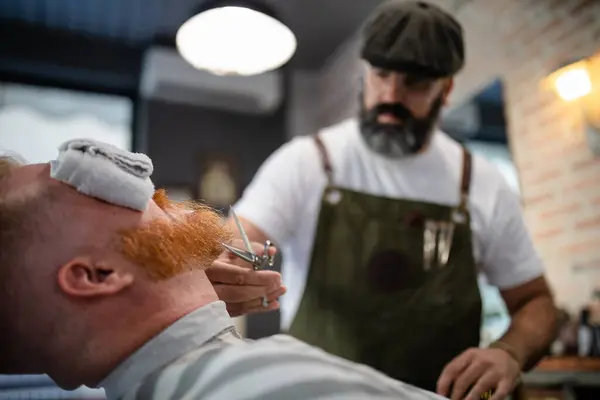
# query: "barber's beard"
(190, 238)
(407, 137)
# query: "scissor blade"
(242, 232)
(244, 255)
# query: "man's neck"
(207, 326)
(113, 346)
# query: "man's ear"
(82, 277)
(447, 90)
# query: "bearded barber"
(356, 210)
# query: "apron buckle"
(458, 216)
(333, 196)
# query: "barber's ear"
(81, 277)
(447, 90)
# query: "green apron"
(372, 297)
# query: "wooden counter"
(569, 364)
(574, 371)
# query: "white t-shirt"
(283, 200)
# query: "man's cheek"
(161, 199)
(168, 247)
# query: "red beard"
(189, 238)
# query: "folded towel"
(105, 172)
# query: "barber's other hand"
(476, 371)
(241, 287)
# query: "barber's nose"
(391, 92)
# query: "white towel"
(105, 172)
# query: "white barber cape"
(202, 357)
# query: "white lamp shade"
(235, 41)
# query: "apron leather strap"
(324, 159)
(465, 183)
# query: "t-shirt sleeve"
(509, 258)
(274, 200)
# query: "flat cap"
(413, 36)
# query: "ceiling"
(97, 45)
(320, 25)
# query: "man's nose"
(392, 92)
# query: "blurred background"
(110, 70)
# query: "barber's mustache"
(396, 110)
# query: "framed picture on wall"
(179, 192)
(218, 180)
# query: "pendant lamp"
(235, 38)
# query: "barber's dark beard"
(398, 139)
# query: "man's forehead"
(41, 170)
(25, 177)
(408, 75)
(35, 176)
(30, 172)
(34, 179)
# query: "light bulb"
(235, 41)
(573, 83)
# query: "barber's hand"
(241, 287)
(476, 371)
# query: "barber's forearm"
(532, 330)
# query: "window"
(34, 121)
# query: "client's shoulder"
(281, 367)
(289, 368)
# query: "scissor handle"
(266, 260)
(270, 259)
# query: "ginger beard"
(188, 238)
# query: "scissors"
(258, 262)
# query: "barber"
(385, 222)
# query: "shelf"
(560, 371)
(569, 364)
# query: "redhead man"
(103, 283)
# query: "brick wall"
(522, 41)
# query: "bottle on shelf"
(585, 334)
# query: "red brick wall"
(522, 41)
(560, 178)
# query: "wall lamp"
(579, 82)
(235, 38)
